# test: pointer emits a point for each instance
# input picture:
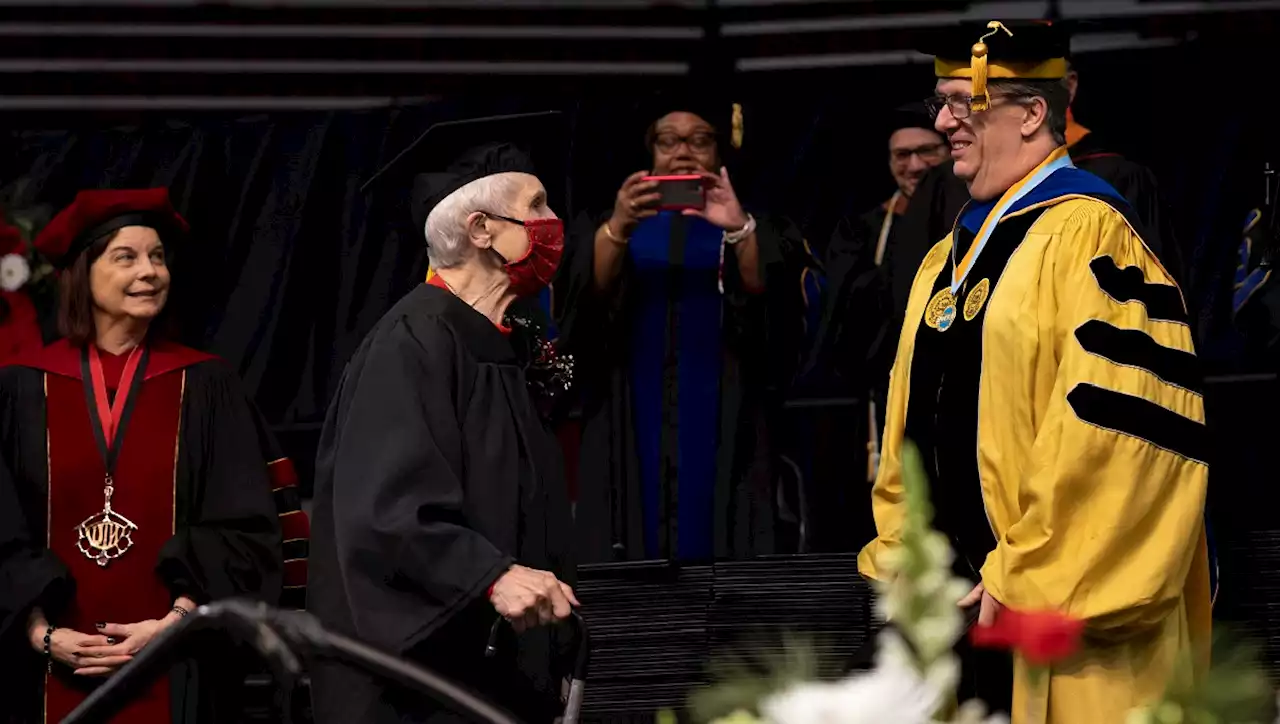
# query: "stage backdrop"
(290, 266)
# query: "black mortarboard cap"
(705, 100)
(908, 115)
(1022, 50)
(452, 154)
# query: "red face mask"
(533, 272)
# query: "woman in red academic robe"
(133, 480)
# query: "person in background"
(940, 195)
(915, 147)
(855, 343)
(19, 320)
(440, 502)
(687, 326)
(134, 482)
(1046, 373)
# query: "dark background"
(264, 119)
(291, 265)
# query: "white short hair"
(446, 227)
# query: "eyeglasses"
(961, 106)
(927, 152)
(697, 142)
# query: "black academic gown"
(940, 196)
(848, 365)
(192, 475)
(1255, 302)
(681, 388)
(854, 348)
(434, 475)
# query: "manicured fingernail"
(99, 625)
(111, 639)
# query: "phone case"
(680, 192)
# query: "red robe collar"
(60, 358)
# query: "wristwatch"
(734, 237)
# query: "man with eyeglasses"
(1046, 374)
(940, 195)
(686, 324)
(856, 341)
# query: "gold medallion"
(105, 536)
(941, 311)
(977, 297)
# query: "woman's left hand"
(133, 637)
(722, 207)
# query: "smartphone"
(680, 192)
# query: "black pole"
(274, 633)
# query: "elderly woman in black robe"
(440, 500)
(134, 479)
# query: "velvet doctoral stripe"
(127, 590)
(942, 416)
(675, 373)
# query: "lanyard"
(1057, 160)
(885, 227)
(110, 420)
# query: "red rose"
(1041, 638)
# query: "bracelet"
(180, 611)
(48, 655)
(609, 233)
(740, 234)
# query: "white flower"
(932, 581)
(892, 650)
(944, 674)
(974, 711)
(937, 550)
(935, 635)
(957, 589)
(891, 692)
(884, 607)
(14, 272)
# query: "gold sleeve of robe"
(1096, 523)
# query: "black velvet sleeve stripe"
(1163, 302)
(1140, 418)
(296, 549)
(287, 499)
(1135, 348)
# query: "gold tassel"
(978, 64)
(736, 138)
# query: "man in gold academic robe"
(1047, 374)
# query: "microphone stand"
(278, 636)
